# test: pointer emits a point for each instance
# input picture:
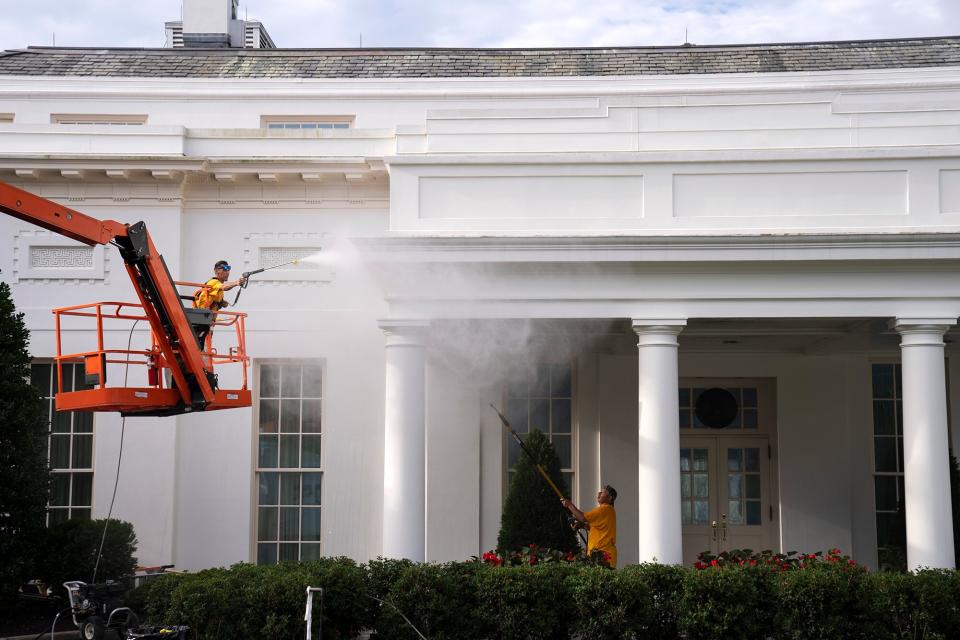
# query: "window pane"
(517, 414)
(699, 459)
(67, 377)
(561, 416)
(749, 397)
(269, 416)
(289, 523)
(310, 527)
(734, 485)
(753, 486)
(560, 381)
(289, 451)
(685, 512)
(60, 451)
(701, 487)
(684, 459)
(61, 421)
(684, 397)
(82, 452)
(267, 553)
(56, 516)
(267, 520)
(268, 491)
(885, 453)
(753, 512)
(540, 414)
(267, 456)
(684, 486)
(82, 490)
(275, 125)
(685, 418)
(734, 459)
(290, 381)
(40, 378)
(751, 456)
(883, 417)
(60, 490)
(79, 514)
(312, 379)
(311, 452)
(749, 418)
(311, 416)
(568, 481)
(311, 488)
(883, 381)
(290, 416)
(701, 512)
(308, 125)
(541, 385)
(288, 552)
(562, 446)
(82, 422)
(513, 452)
(309, 552)
(886, 493)
(899, 417)
(289, 488)
(270, 381)
(734, 513)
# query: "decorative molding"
(43, 256)
(268, 249)
(59, 257)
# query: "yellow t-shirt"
(209, 297)
(603, 531)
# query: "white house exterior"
(587, 237)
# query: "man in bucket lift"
(211, 295)
(601, 522)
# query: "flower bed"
(814, 597)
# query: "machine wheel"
(92, 628)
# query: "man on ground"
(601, 523)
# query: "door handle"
(713, 525)
(723, 526)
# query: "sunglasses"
(225, 267)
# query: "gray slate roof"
(473, 63)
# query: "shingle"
(453, 63)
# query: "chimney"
(212, 24)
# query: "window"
(289, 469)
(306, 122)
(99, 119)
(544, 403)
(70, 445)
(888, 464)
(746, 403)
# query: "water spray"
(245, 277)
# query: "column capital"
(922, 331)
(404, 331)
(658, 331)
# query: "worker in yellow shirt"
(601, 523)
(211, 295)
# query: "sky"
(489, 23)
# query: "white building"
(782, 221)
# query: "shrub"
(665, 584)
(733, 602)
(925, 605)
(382, 573)
(68, 551)
(439, 600)
(825, 600)
(530, 602)
(24, 472)
(532, 513)
(611, 605)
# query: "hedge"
(476, 601)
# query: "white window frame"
(85, 510)
(255, 537)
(898, 426)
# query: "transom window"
(306, 122)
(887, 387)
(70, 445)
(746, 408)
(544, 402)
(100, 119)
(289, 471)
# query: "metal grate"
(271, 256)
(42, 257)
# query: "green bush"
(259, 601)
(609, 607)
(530, 602)
(721, 603)
(665, 584)
(925, 605)
(382, 573)
(439, 600)
(68, 551)
(822, 601)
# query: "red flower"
(533, 560)
(569, 556)
(699, 565)
(753, 562)
(713, 563)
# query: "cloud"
(492, 23)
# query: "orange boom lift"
(180, 372)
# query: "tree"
(24, 473)
(532, 513)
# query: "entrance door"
(726, 494)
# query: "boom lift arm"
(174, 327)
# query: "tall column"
(659, 430)
(404, 443)
(926, 461)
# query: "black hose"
(53, 627)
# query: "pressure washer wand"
(246, 276)
(543, 472)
